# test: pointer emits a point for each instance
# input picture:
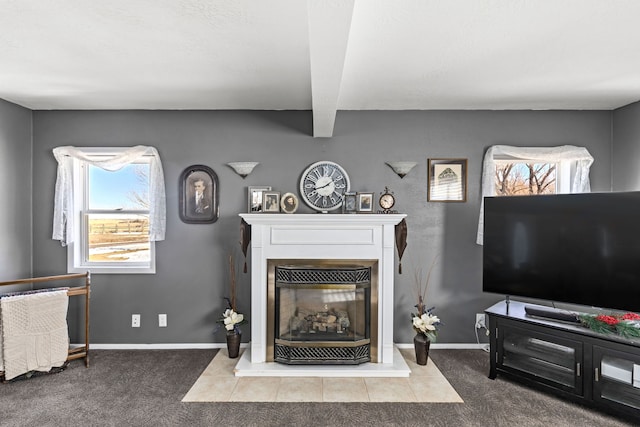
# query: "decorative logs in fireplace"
(322, 314)
(311, 321)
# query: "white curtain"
(63, 218)
(578, 157)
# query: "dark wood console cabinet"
(567, 359)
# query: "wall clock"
(322, 185)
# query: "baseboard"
(159, 346)
(450, 346)
(187, 346)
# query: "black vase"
(233, 344)
(421, 344)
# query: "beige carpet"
(218, 384)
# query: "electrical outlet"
(135, 320)
(162, 320)
(480, 321)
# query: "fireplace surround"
(316, 239)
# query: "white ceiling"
(323, 55)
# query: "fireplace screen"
(322, 314)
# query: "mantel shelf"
(323, 219)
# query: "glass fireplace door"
(322, 315)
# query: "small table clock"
(387, 201)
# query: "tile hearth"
(218, 384)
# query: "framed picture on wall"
(198, 195)
(271, 201)
(255, 199)
(447, 180)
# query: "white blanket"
(34, 332)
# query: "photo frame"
(271, 201)
(198, 195)
(349, 203)
(289, 203)
(364, 202)
(447, 180)
(255, 198)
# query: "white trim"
(450, 346)
(204, 346)
(159, 346)
(563, 176)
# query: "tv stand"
(565, 358)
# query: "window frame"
(77, 249)
(563, 171)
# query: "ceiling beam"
(329, 26)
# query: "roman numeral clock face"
(322, 185)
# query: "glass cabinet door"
(616, 378)
(545, 358)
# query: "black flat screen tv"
(573, 248)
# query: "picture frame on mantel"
(198, 195)
(271, 200)
(447, 180)
(255, 199)
(349, 203)
(364, 202)
(289, 203)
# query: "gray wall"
(15, 192)
(626, 148)
(191, 274)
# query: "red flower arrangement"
(631, 316)
(619, 324)
(609, 320)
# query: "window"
(514, 171)
(529, 177)
(107, 218)
(115, 216)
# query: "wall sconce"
(243, 168)
(401, 168)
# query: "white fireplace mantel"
(322, 236)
